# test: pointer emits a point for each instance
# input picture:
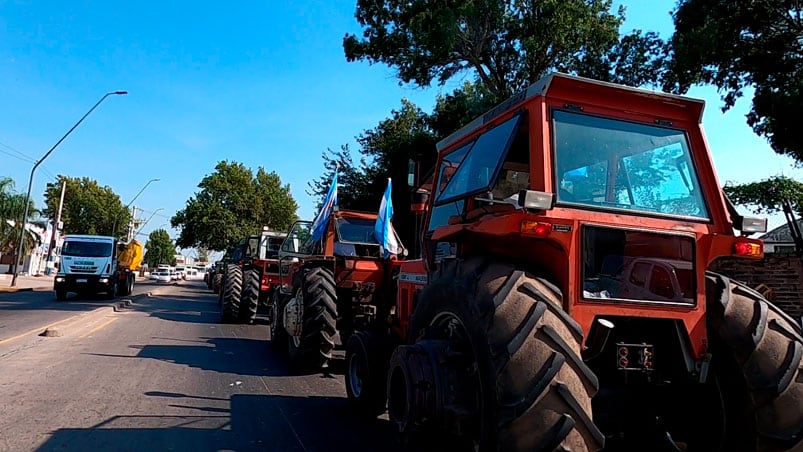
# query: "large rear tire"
(249, 301)
(512, 361)
(217, 281)
(758, 362)
(232, 290)
(312, 349)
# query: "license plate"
(81, 280)
(635, 357)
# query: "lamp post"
(30, 181)
(114, 226)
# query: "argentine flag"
(322, 219)
(383, 229)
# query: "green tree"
(735, 44)
(88, 207)
(505, 44)
(767, 196)
(203, 254)
(12, 207)
(234, 202)
(159, 249)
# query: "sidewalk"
(26, 283)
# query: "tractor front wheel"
(217, 281)
(278, 336)
(366, 374)
(496, 363)
(758, 364)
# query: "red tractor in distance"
(251, 277)
(333, 287)
(564, 299)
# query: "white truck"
(92, 264)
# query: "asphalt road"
(162, 374)
(21, 312)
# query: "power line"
(19, 154)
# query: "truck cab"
(88, 266)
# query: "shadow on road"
(225, 355)
(250, 423)
(22, 301)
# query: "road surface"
(162, 374)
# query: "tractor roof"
(587, 91)
(355, 214)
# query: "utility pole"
(55, 232)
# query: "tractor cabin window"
(494, 166)
(637, 266)
(620, 165)
(479, 169)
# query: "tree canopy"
(233, 203)
(159, 249)
(735, 45)
(505, 44)
(386, 150)
(767, 196)
(88, 207)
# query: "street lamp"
(114, 225)
(30, 181)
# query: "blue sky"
(262, 83)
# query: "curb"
(15, 289)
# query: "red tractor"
(564, 298)
(332, 287)
(251, 277)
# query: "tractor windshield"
(616, 164)
(355, 230)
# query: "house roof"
(781, 234)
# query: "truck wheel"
(232, 289)
(61, 295)
(249, 301)
(312, 349)
(278, 336)
(130, 285)
(758, 362)
(497, 361)
(217, 281)
(111, 292)
(366, 374)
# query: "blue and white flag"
(383, 229)
(322, 219)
